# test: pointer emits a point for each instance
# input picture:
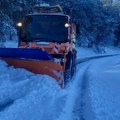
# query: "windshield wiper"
(40, 39)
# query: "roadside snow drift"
(25, 96)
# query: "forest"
(98, 21)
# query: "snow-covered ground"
(104, 86)
(92, 94)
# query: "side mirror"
(75, 28)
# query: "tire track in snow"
(74, 93)
(5, 105)
(93, 58)
(83, 107)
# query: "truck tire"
(73, 64)
(68, 69)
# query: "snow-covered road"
(92, 94)
(104, 84)
(98, 97)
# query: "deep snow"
(92, 94)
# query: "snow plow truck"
(46, 44)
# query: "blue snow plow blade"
(22, 53)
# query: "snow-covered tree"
(96, 20)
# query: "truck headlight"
(67, 25)
(19, 24)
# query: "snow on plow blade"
(34, 60)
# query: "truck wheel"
(73, 65)
(68, 69)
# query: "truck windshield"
(49, 28)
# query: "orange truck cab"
(50, 30)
